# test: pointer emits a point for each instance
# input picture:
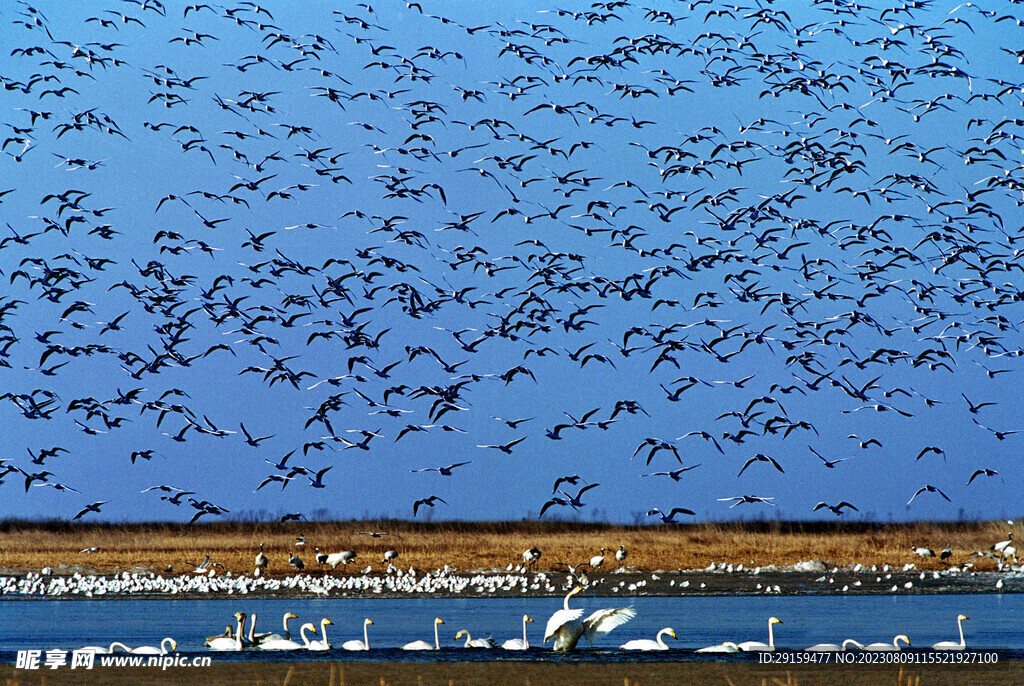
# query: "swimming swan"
(228, 642)
(356, 644)
(832, 647)
(423, 645)
(726, 647)
(951, 645)
(261, 638)
(566, 628)
(887, 647)
(324, 644)
(101, 649)
(475, 642)
(648, 644)
(753, 646)
(516, 643)
(288, 644)
(153, 650)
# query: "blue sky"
(800, 223)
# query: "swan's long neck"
(437, 640)
(163, 646)
(238, 633)
(852, 642)
(660, 640)
(302, 633)
(323, 630)
(565, 603)
(771, 635)
(960, 625)
(525, 644)
(287, 632)
(252, 628)
(366, 635)
(469, 639)
(121, 645)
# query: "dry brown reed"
(474, 545)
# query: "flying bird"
(507, 447)
(836, 509)
(443, 471)
(675, 475)
(928, 489)
(669, 518)
(92, 507)
(428, 502)
(741, 499)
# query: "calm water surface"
(996, 621)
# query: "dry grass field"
(466, 545)
(1010, 672)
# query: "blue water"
(995, 623)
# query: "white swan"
(475, 642)
(648, 644)
(259, 639)
(101, 649)
(832, 647)
(952, 645)
(227, 634)
(566, 628)
(726, 647)
(755, 646)
(356, 644)
(423, 645)
(324, 644)
(153, 650)
(887, 647)
(254, 639)
(516, 643)
(228, 642)
(288, 644)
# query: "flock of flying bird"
(735, 242)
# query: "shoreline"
(72, 584)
